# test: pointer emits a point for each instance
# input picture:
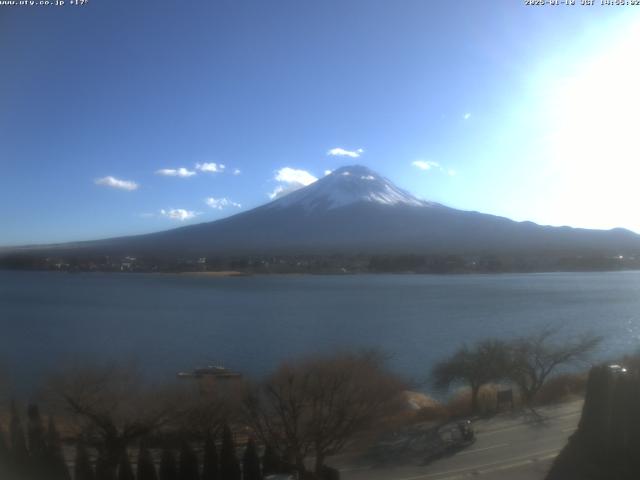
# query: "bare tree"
(207, 410)
(486, 361)
(535, 357)
(316, 406)
(112, 405)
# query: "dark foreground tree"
(104, 469)
(485, 362)
(251, 462)
(82, 468)
(316, 406)
(125, 471)
(328, 473)
(229, 465)
(188, 464)
(56, 464)
(36, 439)
(606, 443)
(5, 458)
(146, 468)
(271, 463)
(19, 452)
(168, 467)
(535, 357)
(210, 463)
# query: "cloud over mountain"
(290, 179)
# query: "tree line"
(434, 263)
(290, 422)
(306, 411)
(38, 455)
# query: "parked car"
(424, 443)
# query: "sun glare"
(594, 135)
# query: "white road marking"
(519, 464)
(467, 452)
(481, 433)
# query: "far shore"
(237, 273)
(221, 273)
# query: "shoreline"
(221, 273)
(237, 273)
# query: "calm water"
(175, 322)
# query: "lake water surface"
(169, 323)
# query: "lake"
(169, 323)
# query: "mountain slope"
(355, 210)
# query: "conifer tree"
(229, 465)
(4, 455)
(251, 462)
(210, 467)
(83, 469)
(36, 437)
(188, 464)
(55, 462)
(125, 472)
(104, 469)
(168, 468)
(19, 452)
(146, 468)
(270, 462)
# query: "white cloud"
(279, 191)
(237, 171)
(178, 214)
(431, 165)
(367, 177)
(292, 175)
(114, 182)
(210, 167)
(175, 172)
(221, 203)
(425, 164)
(341, 152)
(291, 179)
(327, 172)
(466, 116)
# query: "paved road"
(508, 446)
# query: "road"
(508, 446)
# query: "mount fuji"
(354, 210)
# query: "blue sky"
(527, 112)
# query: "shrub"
(460, 404)
(562, 387)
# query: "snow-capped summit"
(346, 186)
